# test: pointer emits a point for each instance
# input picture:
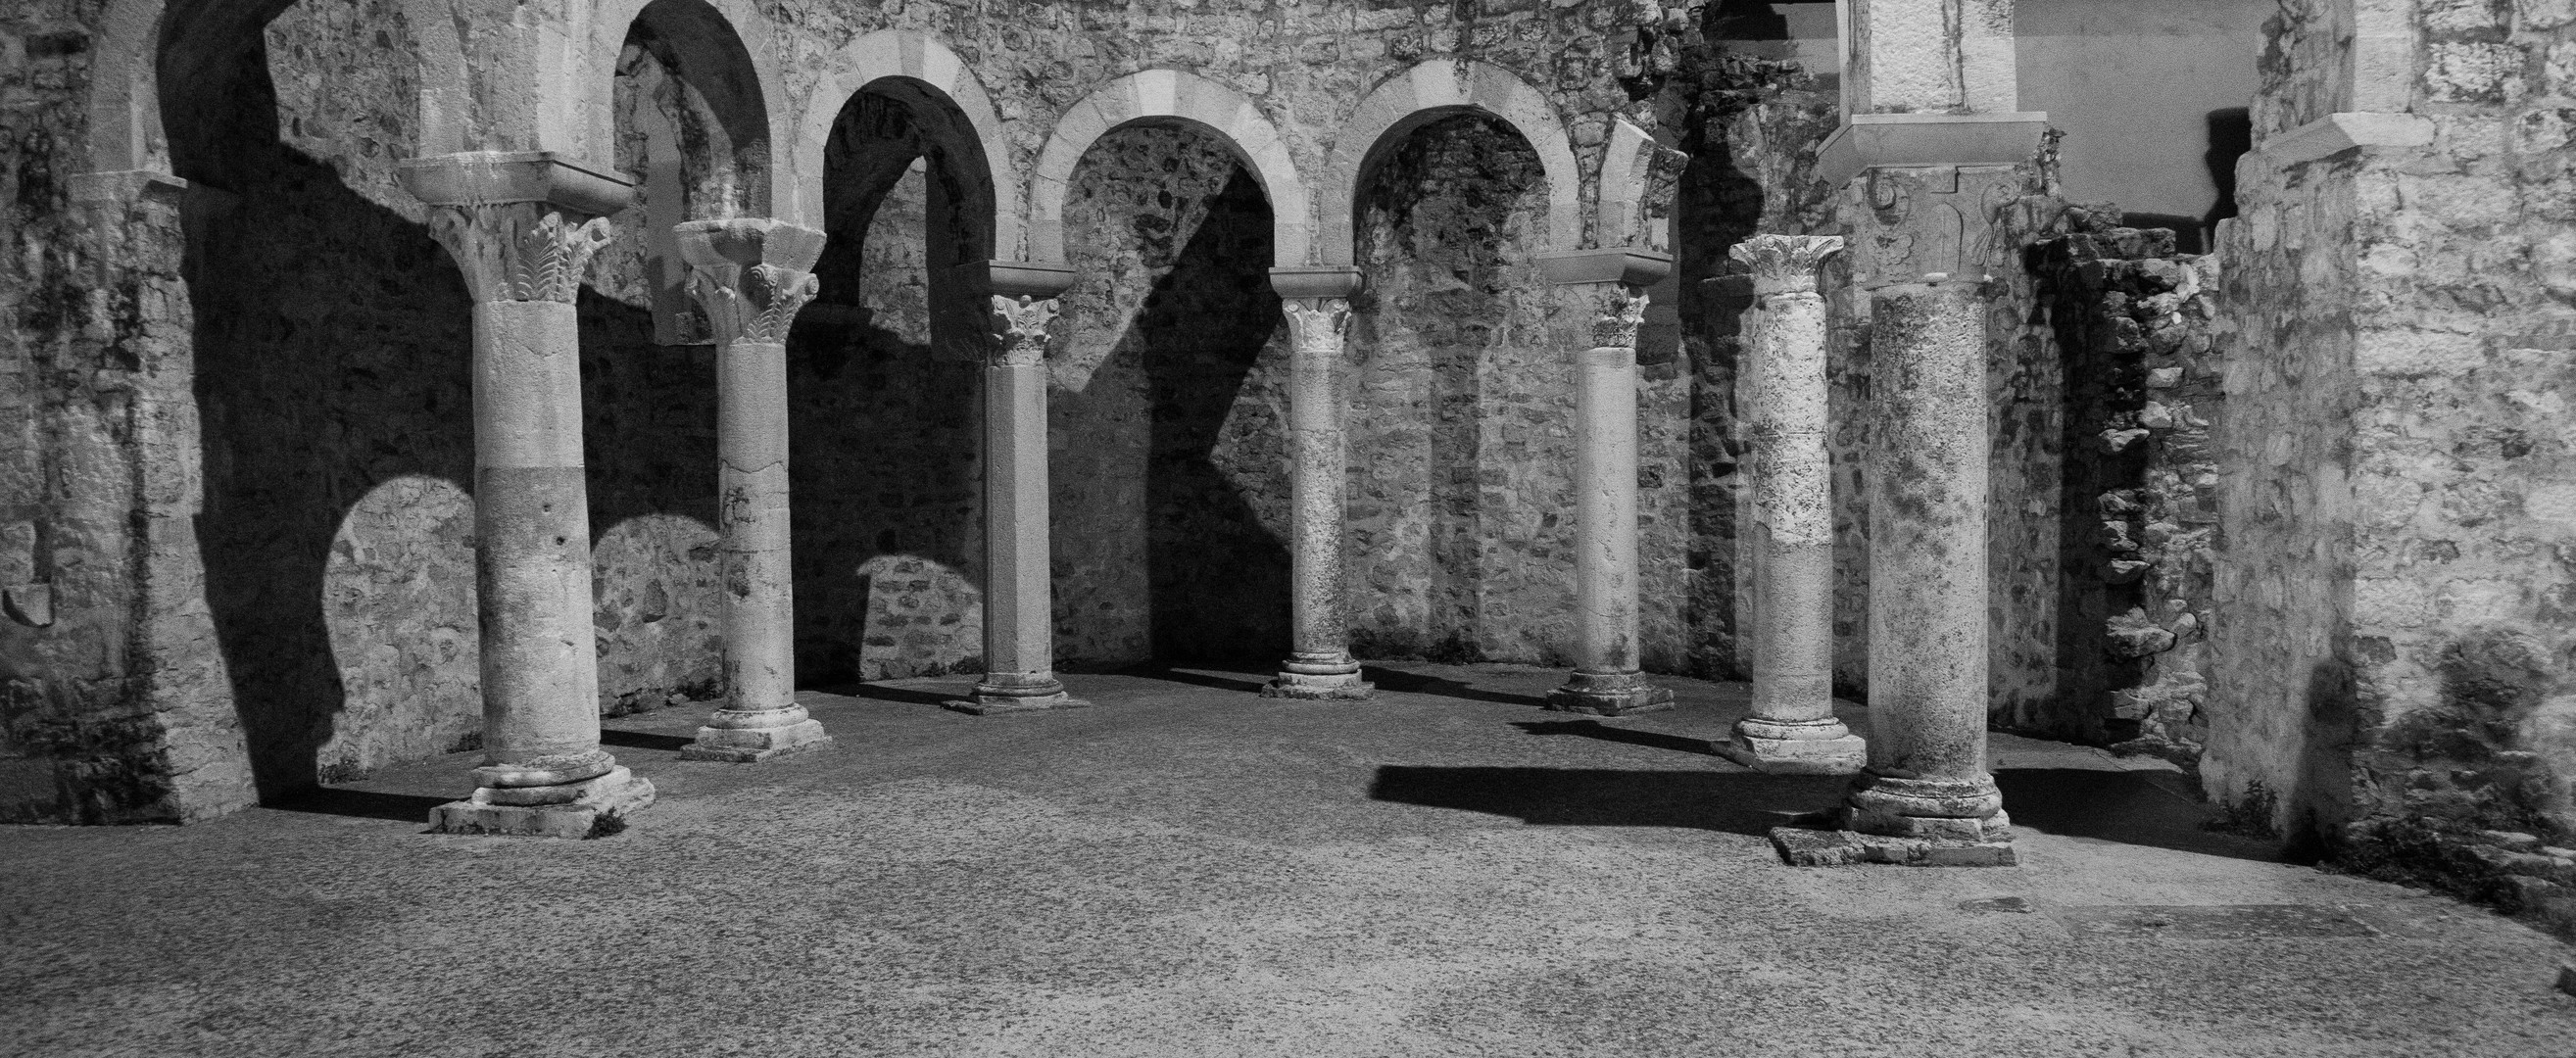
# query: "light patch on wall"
(924, 619)
(656, 581)
(403, 558)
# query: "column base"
(1016, 692)
(1609, 694)
(1338, 686)
(1993, 847)
(573, 810)
(753, 745)
(1773, 747)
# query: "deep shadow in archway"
(331, 342)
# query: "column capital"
(1618, 310)
(1021, 325)
(1785, 264)
(750, 274)
(1633, 266)
(1316, 325)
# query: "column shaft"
(1927, 591)
(1320, 663)
(750, 275)
(1793, 728)
(1607, 679)
(532, 564)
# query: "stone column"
(1927, 773)
(523, 227)
(1792, 729)
(1019, 600)
(751, 276)
(1319, 665)
(1607, 680)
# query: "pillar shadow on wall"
(1218, 579)
(1717, 207)
(331, 342)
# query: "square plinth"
(755, 744)
(1802, 847)
(1797, 756)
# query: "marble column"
(523, 226)
(1608, 678)
(1319, 665)
(1792, 729)
(1019, 606)
(1927, 773)
(751, 275)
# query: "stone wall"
(2391, 675)
(2136, 319)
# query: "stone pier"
(1317, 303)
(1607, 680)
(523, 227)
(1792, 729)
(751, 275)
(1019, 609)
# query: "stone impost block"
(1633, 266)
(754, 745)
(1609, 694)
(1873, 141)
(478, 178)
(1327, 281)
(1021, 279)
(616, 794)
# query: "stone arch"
(727, 52)
(135, 38)
(942, 95)
(1175, 97)
(1633, 200)
(1424, 94)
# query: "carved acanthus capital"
(1317, 325)
(750, 274)
(1785, 264)
(518, 251)
(1021, 325)
(1617, 311)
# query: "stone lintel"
(1324, 281)
(477, 178)
(2335, 133)
(1633, 266)
(1877, 141)
(1022, 279)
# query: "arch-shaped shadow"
(1178, 469)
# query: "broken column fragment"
(751, 275)
(523, 227)
(1792, 729)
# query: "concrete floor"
(1190, 870)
